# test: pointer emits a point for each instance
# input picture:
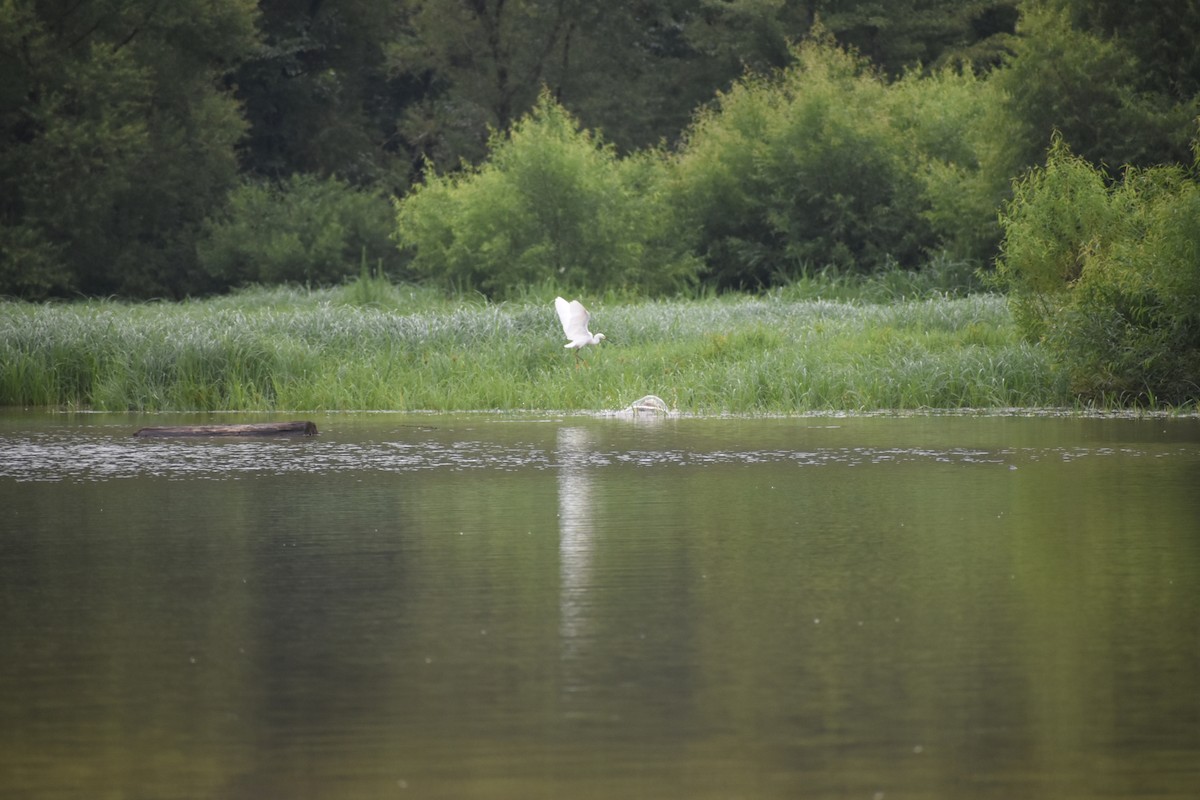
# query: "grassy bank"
(400, 349)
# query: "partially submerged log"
(302, 428)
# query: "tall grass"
(406, 348)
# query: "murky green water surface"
(561, 607)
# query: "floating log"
(303, 428)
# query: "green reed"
(405, 348)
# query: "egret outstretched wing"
(574, 318)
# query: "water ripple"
(58, 457)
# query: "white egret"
(574, 318)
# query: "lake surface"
(577, 607)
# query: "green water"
(573, 607)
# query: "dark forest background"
(172, 148)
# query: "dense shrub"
(552, 203)
(807, 170)
(1108, 278)
(951, 115)
(308, 230)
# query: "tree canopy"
(144, 144)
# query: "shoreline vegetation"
(854, 189)
(821, 344)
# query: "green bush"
(1108, 278)
(950, 114)
(807, 170)
(307, 230)
(552, 203)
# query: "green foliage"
(1109, 278)
(301, 349)
(116, 138)
(552, 203)
(318, 95)
(810, 170)
(1087, 88)
(485, 63)
(125, 125)
(941, 277)
(950, 113)
(896, 36)
(31, 266)
(68, 159)
(306, 230)
(1162, 34)
(637, 69)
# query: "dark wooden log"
(303, 428)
